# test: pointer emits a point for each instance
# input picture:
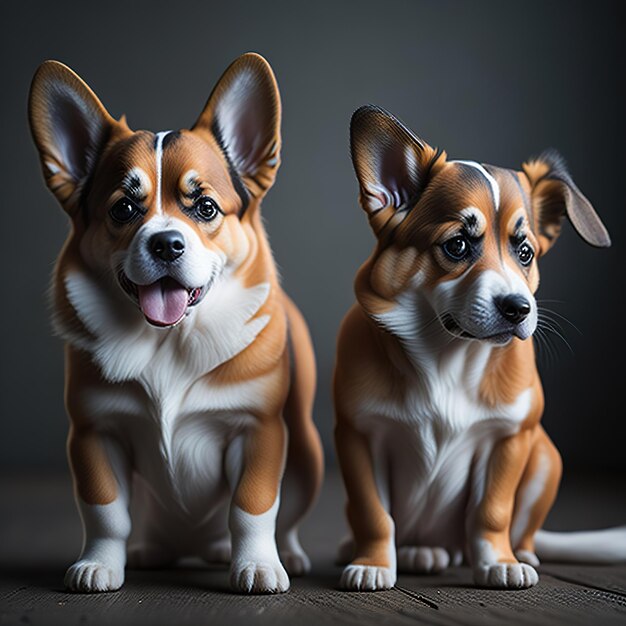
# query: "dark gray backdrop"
(490, 81)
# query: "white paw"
(262, 577)
(148, 556)
(506, 576)
(367, 578)
(422, 560)
(93, 577)
(526, 556)
(218, 552)
(296, 563)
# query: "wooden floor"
(39, 535)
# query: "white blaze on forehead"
(159, 168)
(495, 188)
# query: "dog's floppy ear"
(392, 165)
(243, 114)
(70, 126)
(554, 195)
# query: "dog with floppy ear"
(438, 399)
(189, 372)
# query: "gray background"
(490, 81)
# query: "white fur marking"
(255, 566)
(159, 168)
(495, 188)
(372, 577)
(106, 527)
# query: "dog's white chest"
(124, 346)
(164, 403)
(431, 443)
(431, 455)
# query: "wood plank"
(39, 535)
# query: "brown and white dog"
(438, 399)
(186, 365)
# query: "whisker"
(551, 312)
(550, 328)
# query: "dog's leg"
(101, 480)
(373, 566)
(535, 496)
(489, 526)
(254, 464)
(305, 461)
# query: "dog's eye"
(525, 254)
(456, 248)
(206, 209)
(124, 211)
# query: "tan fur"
(407, 257)
(287, 366)
(542, 445)
(93, 477)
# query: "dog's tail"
(596, 546)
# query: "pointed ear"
(554, 195)
(70, 126)
(243, 114)
(393, 166)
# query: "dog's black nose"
(168, 245)
(515, 308)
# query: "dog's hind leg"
(535, 496)
(304, 469)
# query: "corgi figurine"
(438, 399)
(189, 373)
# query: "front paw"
(506, 576)
(87, 576)
(367, 578)
(259, 577)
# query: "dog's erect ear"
(392, 165)
(70, 126)
(243, 114)
(554, 195)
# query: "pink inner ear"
(375, 198)
(395, 177)
(246, 116)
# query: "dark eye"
(124, 211)
(525, 254)
(206, 209)
(456, 248)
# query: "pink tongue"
(163, 302)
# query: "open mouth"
(454, 328)
(164, 302)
